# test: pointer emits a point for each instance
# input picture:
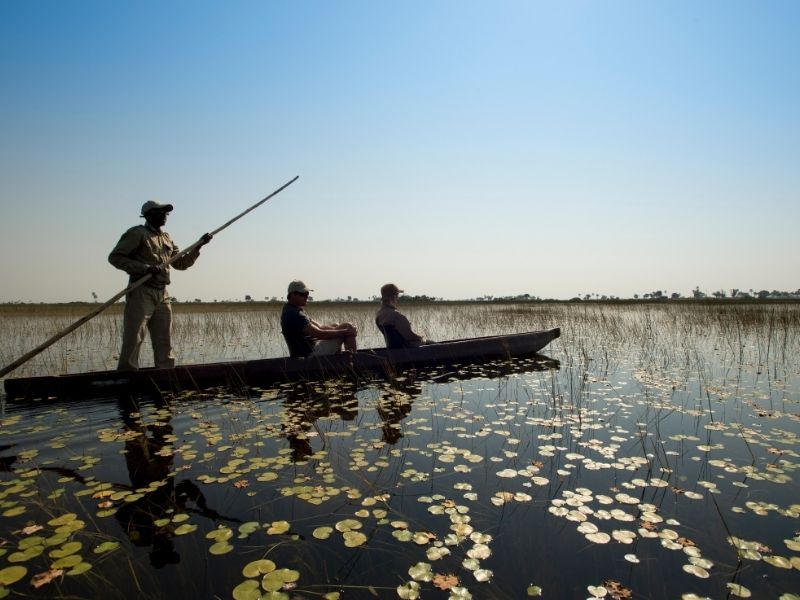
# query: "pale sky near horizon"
(459, 149)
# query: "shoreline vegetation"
(179, 307)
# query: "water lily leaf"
(220, 535)
(353, 539)
(105, 547)
(534, 590)
(247, 590)
(278, 527)
(67, 561)
(322, 533)
(13, 574)
(778, 561)
(738, 590)
(421, 572)
(696, 571)
(185, 529)
(632, 558)
(79, 569)
(66, 549)
(599, 537)
(220, 548)
(348, 524)
(258, 567)
(483, 575)
(408, 590)
(62, 520)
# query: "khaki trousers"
(146, 307)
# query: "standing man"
(141, 250)
(306, 337)
(394, 325)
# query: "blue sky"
(457, 148)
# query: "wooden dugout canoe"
(262, 372)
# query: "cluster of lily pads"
(626, 461)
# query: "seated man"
(306, 337)
(394, 326)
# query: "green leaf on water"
(13, 574)
(247, 590)
(258, 567)
(278, 527)
(67, 562)
(534, 590)
(185, 528)
(106, 547)
(220, 548)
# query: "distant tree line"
(658, 295)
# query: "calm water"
(654, 455)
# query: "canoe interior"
(261, 372)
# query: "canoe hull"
(269, 371)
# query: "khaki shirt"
(143, 246)
(389, 315)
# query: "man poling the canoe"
(202, 241)
(149, 250)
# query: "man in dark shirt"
(306, 337)
(394, 325)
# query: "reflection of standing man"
(141, 250)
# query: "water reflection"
(305, 403)
(149, 458)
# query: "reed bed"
(667, 332)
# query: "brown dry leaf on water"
(31, 529)
(46, 577)
(242, 483)
(445, 582)
(648, 526)
(103, 494)
(685, 542)
(616, 590)
(678, 490)
(106, 504)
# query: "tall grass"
(667, 334)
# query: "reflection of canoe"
(274, 370)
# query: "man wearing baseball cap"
(306, 337)
(394, 326)
(141, 250)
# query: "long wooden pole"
(40, 348)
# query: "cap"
(389, 290)
(153, 205)
(299, 286)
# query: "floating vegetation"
(660, 459)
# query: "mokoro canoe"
(262, 372)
